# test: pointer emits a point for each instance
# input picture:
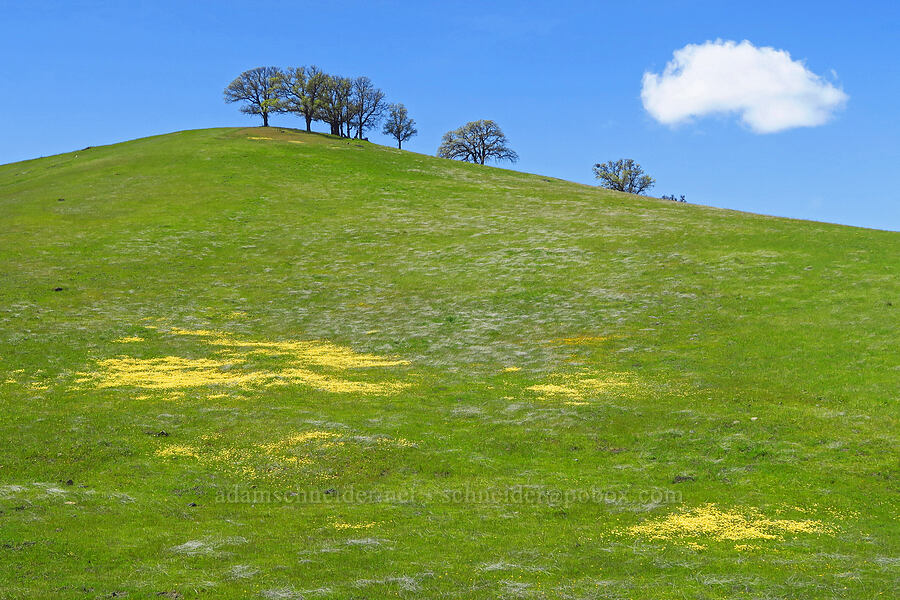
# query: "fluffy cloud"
(764, 86)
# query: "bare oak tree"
(623, 175)
(398, 124)
(477, 142)
(368, 105)
(259, 90)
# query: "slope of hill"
(262, 363)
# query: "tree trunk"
(399, 145)
(265, 116)
(308, 123)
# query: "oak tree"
(302, 93)
(368, 105)
(398, 124)
(477, 142)
(258, 89)
(337, 109)
(623, 175)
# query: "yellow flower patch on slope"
(342, 525)
(169, 372)
(178, 450)
(579, 386)
(197, 332)
(313, 363)
(709, 521)
(296, 454)
(582, 340)
(296, 439)
(315, 352)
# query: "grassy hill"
(240, 363)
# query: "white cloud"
(770, 91)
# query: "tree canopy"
(623, 175)
(336, 108)
(367, 104)
(477, 141)
(303, 93)
(398, 124)
(259, 90)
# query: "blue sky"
(563, 79)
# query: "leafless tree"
(368, 105)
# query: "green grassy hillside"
(258, 363)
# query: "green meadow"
(261, 363)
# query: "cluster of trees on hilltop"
(353, 106)
(350, 106)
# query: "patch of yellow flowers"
(711, 522)
(579, 386)
(341, 525)
(301, 364)
(582, 340)
(178, 450)
(266, 460)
